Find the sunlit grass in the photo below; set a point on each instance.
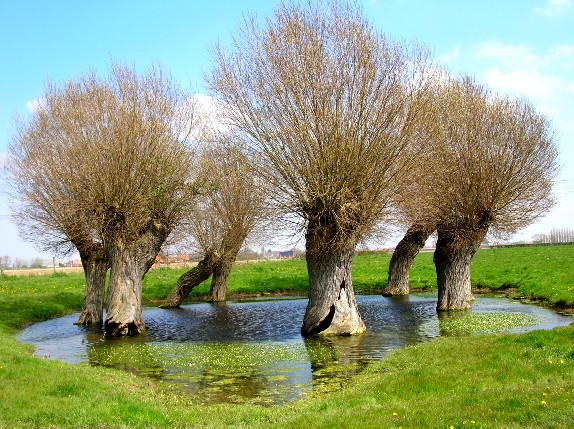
(502, 381)
(486, 381)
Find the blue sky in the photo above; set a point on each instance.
(525, 47)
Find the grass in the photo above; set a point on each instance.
(537, 272)
(504, 381)
(488, 381)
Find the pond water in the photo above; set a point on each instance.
(252, 351)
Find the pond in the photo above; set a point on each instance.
(252, 351)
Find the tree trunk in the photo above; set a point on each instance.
(403, 257)
(190, 279)
(95, 269)
(231, 244)
(129, 263)
(452, 258)
(468, 287)
(332, 308)
(218, 290)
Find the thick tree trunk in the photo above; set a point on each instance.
(232, 244)
(403, 257)
(332, 308)
(190, 279)
(452, 258)
(95, 269)
(129, 263)
(218, 290)
(468, 287)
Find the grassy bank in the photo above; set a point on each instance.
(539, 272)
(486, 381)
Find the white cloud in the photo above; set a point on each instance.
(553, 7)
(517, 56)
(532, 85)
(545, 77)
(205, 116)
(450, 57)
(34, 105)
(562, 52)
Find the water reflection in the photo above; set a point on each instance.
(253, 351)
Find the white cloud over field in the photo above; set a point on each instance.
(553, 8)
(546, 77)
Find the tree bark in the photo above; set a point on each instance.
(403, 257)
(468, 287)
(332, 308)
(452, 258)
(129, 262)
(232, 244)
(95, 266)
(218, 290)
(190, 279)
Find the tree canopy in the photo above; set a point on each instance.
(328, 103)
(106, 161)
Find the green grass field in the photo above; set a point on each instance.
(537, 272)
(489, 381)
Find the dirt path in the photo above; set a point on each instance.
(41, 271)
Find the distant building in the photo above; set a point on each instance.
(280, 254)
(178, 259)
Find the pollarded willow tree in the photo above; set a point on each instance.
(234, 204)
(493, 163)
(43, 195)
(412, 211)
(118, 149)
(328, 103)
(403, 257)
(41, 210)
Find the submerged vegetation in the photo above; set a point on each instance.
(485, 323)
(486, 381)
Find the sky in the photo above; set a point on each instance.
(521, 47)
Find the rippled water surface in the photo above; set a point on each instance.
(253, 351)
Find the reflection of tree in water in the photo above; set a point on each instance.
(334, 360)
(128, 354)
(445, 316)
(400, 319)
(234, 380)
(225, 357)
(219, 387)
(221, 318)
(405, 320)
(216, 361)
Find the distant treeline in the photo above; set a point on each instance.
(556, 236)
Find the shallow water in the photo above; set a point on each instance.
(252, 351)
